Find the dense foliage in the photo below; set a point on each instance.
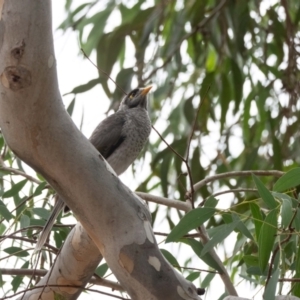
(238, 62)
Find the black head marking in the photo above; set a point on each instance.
(136, 98)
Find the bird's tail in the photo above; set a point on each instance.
(59, 205)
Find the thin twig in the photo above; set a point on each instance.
(32, 241)
(227, 192)
(3, 167)
(168, 145)
(192, 191)
(192, 235)
(234, 191)
(34, 227)
(102, 71)
(67, 286)
(203, 182)
(196, 269)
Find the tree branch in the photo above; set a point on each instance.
(185, 206)
(203, 182)
(94, 280)
(3, 167)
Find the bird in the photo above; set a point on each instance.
(119, 138)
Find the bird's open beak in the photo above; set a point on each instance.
(146, 90)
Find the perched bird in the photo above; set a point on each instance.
(119, 138)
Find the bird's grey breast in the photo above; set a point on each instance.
(136, 130)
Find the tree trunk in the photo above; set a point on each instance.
(38, 130)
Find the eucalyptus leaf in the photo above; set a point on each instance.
(265, 193)
(288, 180)
(266, 239)
(190, 221)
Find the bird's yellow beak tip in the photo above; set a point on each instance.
(146, 90)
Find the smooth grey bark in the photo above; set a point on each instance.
(38, 130)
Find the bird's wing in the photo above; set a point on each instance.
(108, 134)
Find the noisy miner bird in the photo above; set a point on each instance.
(119, 138)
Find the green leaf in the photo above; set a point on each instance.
(171, 259)
(37, 222)
(39, 188)
(229, 218)
(272, 285)
(41, 212)
(251, 260)
(2, 228)
(101, 270)
(16, 282)
(265, 193)
(257, 218)
(256, 271)
(16, 188)
(296, 222)
(220, 235)
(99, 21)
(70, 19)
(111, 43)
(71, 106)
(211, 202)
(25, 265)
(193, 276)
(85, 87)
(164, 172)
(24, 221)
(296, 287)
(266, 239)
(5, 212)
(286, 212)
(207, 280)
(288, 180)
(225, 98)
(16, 251)
(190, 221)
(211, 60)
(238, 81)
(197, 248)
(189, 110)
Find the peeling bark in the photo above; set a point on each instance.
(39, 131)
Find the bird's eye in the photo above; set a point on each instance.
(132, 94)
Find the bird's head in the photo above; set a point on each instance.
(136, 98)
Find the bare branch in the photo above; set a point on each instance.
(203, 182)
(3, 167)
(32, 241)
(168, 145)
(64, 286)
(102, 71)
(185, 206)
(234, 191)
(192, 191)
